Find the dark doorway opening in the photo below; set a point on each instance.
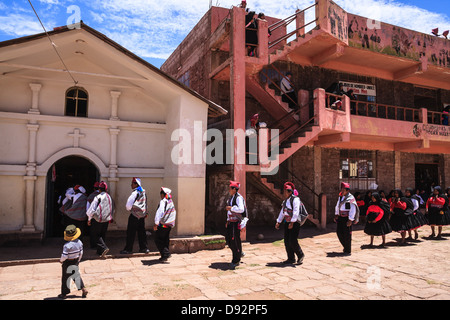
(65, 173)
(427, 176)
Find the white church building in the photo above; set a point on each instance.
(111, 118)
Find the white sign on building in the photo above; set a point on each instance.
(360, 88)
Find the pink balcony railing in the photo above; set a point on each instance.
(441, 118)
(377, 110)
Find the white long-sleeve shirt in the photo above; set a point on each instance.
(287, 206)
(163, 210)
(415, 203)
(131, 200)
(76, 196)
(238, 208)
(286, 86)
(106, 211)
(341, 209)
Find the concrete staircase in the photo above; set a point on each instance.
(270, 101)
(282, 54)
(297, 140)
(293, 134)
(275, 193)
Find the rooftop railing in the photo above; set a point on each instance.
(286, 22)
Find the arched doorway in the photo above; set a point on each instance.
(63, 174)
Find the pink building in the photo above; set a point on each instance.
(391, 134)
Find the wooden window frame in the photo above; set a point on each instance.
(77, 99)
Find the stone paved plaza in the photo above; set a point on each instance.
(419, 270)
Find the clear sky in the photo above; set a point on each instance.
(152, 29)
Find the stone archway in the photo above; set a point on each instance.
(62, 174)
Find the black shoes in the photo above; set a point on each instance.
(299, 260)
(164, 259)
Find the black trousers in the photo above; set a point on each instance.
(70, 270)
(136, 225)
(290, 98)
(162, 241)
(233, 238)
(291, 241)
(98, 235)
(344, 233)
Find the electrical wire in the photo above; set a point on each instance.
(53, 44)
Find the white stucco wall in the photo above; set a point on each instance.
(147, 115)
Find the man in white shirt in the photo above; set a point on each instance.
(289, 213)
(287, 90)
(164, 222)
(75, 212)
(137, 205)
(346, 214)
(100, 213)
(235, 210)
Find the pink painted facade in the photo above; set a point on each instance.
(387, 39)
(404, 119)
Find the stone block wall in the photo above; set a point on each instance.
(385, 170)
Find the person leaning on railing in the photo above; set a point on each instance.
(445, 115)
(353, 99)
(251, 33)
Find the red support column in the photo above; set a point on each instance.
(423, 115)
(237, 90)
(300, 22)
(237, 86)
(263, 42)
(303, 102)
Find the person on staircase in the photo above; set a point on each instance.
(288, 93)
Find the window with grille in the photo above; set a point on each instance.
(76, 102)
(358, 167)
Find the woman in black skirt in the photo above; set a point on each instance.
(377, 219)
(438, 212)
(418, 219)
(401, 214)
